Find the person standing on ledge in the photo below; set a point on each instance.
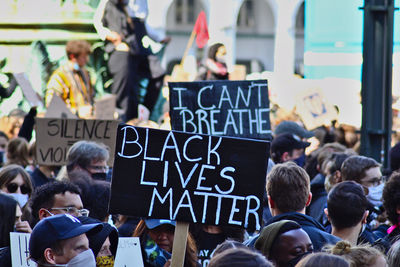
(71, 81)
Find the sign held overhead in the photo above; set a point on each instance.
(55, 136)
(222, 108)
(189, 177)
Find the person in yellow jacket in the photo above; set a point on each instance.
(71, 81)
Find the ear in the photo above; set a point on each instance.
(271, 203)
(43, 214)
(309, 199)
(364, 219)
(49, 256)
(327, 214)
(337, 177)
(285, 156)
(398, 210)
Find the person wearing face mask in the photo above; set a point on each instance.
(156, 239)
(71, 81)
(10, 214)
(104, 244)
(15, 182)
(288, 147)
(367, 172)
(89, 156)
(284, 243)
(215, 67)
(61, 240)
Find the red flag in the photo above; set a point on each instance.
(201, 29)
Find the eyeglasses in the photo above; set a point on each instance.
(375, 181)
(13, 187)
(99, 168)
(73, 211)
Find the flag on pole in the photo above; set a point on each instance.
(201, 30)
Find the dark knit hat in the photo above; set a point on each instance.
(292, 128)
(271, 232)
(96, 240)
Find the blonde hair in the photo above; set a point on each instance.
(358, 256)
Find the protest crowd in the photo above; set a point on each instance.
(323, 204)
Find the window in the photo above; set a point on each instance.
(246, 18)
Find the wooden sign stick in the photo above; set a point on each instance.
(179, 245)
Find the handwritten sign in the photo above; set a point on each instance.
(314, 109)
(19, 244)
(55, 136)
(222, 108)
(31, 95)
(129, 253)
(189, 177)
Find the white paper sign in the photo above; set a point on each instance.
(30, 94)
(129, 253)
(20, 250)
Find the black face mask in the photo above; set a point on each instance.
(99, 176)
(294, 261)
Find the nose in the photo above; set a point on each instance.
(18, 190)
(162, 236)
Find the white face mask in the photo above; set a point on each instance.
(21, 198)
(375, 195)
(221, 59)
(85, 259)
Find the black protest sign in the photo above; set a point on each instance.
(55, 136)
(188, 177)
(222, 108)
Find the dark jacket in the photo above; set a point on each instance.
(115, 19)
(319, 199)
(315, 231)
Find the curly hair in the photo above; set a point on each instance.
(391, 197)
(358, 256)
(323, 259)
(43, 196)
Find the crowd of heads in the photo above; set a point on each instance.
(357, 222)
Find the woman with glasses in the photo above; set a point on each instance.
(15, 181)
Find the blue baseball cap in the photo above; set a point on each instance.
(154, 223)
(58, 227)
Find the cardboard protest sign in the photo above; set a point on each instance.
(26, 86)
(55, 136)
(313, 108)
(19, 244)
(129, 253)
(58, 109)
(188, 177)
(222, 108)
(104, 108)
